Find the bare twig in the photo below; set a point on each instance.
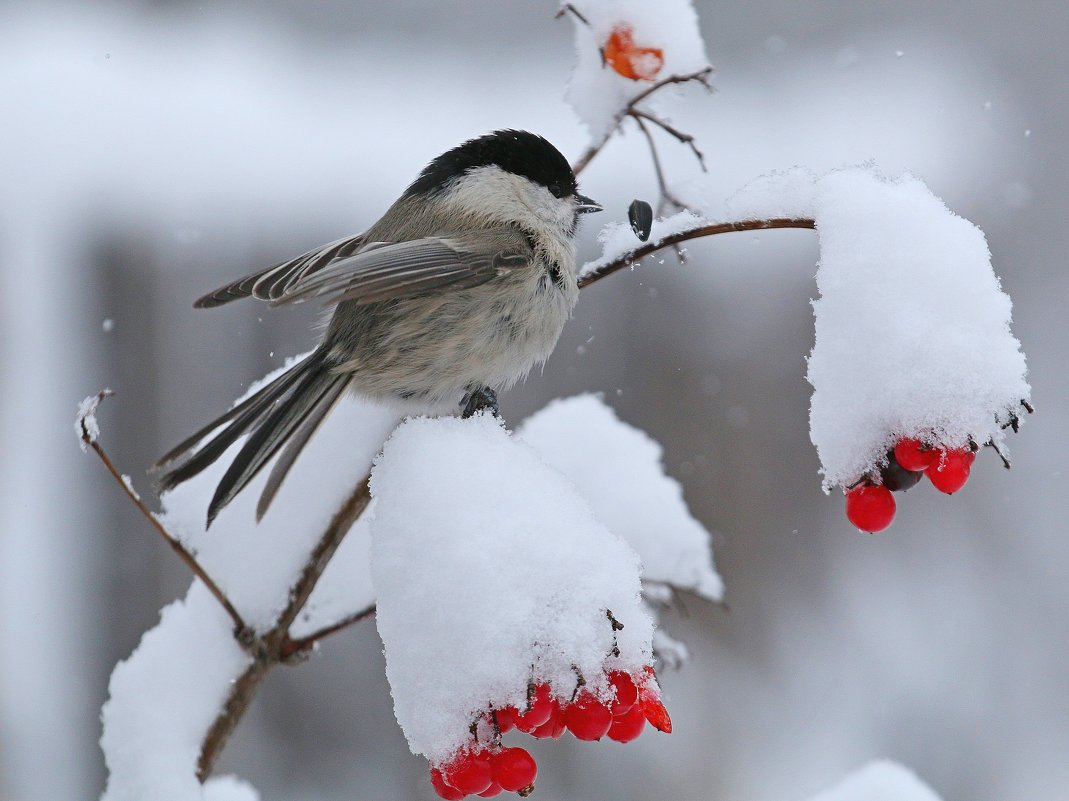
(701, 76)
(666, 196)
(632, 256)
(1001, 455)
(339, 526)
(242, 691)
(291, 647)
(568, 8)
(240, 629)
(685, 138)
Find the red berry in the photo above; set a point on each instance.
(442, 789)
(538, 712)
(491, 791)
(656, 714)
(628, 726)
(625, 692)
(514, 769)
(636, 63)
(950, 470)
(588, 717)
(552, 728)
(913, 454)
(505, 718)
(469, 772)
(870, 508)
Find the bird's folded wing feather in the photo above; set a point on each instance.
(272, 283)
(382, 271)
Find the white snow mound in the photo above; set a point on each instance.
(912, 327)
(163, 699)
(879, 781)
(619, 470)
(490, 570)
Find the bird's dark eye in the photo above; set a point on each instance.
(556, 190)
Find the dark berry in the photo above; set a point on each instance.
(897, 478)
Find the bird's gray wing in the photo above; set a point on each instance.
(382, 271)
(272, 283)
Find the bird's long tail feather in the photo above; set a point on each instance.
(287, 410)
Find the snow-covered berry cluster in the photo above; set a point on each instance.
(484, 767)
(870, 505)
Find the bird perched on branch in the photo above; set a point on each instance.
(461, 287)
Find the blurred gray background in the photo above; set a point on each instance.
(151, 150)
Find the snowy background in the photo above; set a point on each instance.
(152, 150)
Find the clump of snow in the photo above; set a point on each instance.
(229, 788)
(912, 328)
(163, 699)
(490, 570)
(256, 564)
(619, 470)
(882, 780)
(783, 193)
(596, 91)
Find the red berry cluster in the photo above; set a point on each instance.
(870, 505)
(487, 769)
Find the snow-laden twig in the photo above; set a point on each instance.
(275, 646)
(89, 436)
(630, 257)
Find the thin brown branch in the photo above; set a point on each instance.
(632, 256)
(568, 8)
(290, 647)
(681, 136)
(335, 532)
(701, 76)
(242, 691)
(666, 196)
(271, 648)
(240, 629)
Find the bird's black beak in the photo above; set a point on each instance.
(586, 205)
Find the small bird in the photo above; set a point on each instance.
(458, 290)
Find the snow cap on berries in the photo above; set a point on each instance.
(491, 570)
